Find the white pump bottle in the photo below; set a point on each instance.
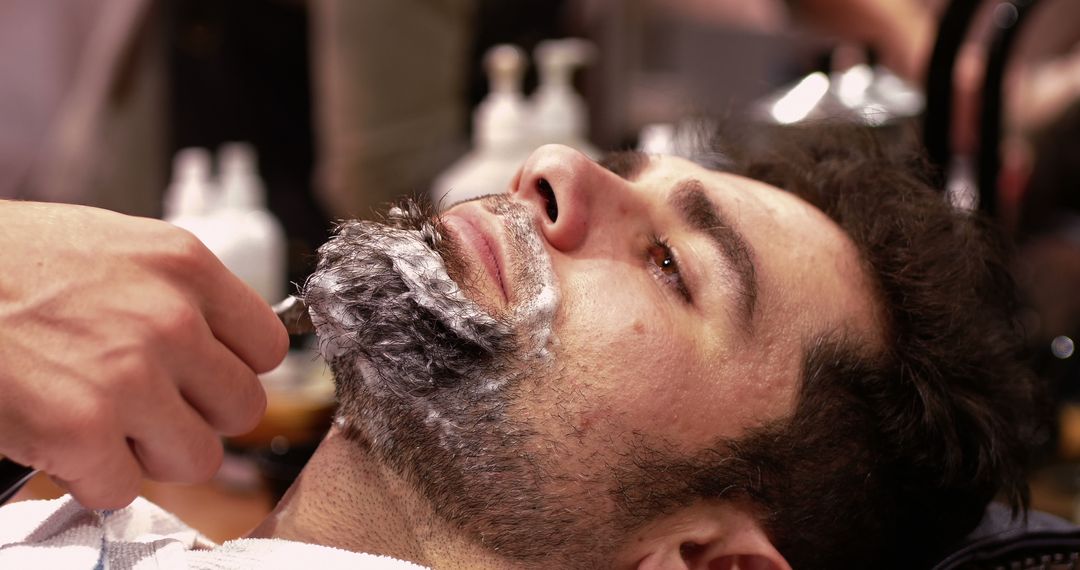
(190, 193)
(229, 216)
(192, 198)
(500, 142)
(257, 254)
(559, 113)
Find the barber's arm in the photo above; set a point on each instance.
(126, 348)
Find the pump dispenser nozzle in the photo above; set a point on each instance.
(191, 191)
(505, 65)
(241, 186)
(559, 113)
(500, 119)
(256, 240)
(557, 60)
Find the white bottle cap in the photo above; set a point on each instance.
(559, 112)
(500, 119)
(241, 186)
(191, 191)
(657, 138)
(557, 60)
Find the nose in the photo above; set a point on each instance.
(564, 187)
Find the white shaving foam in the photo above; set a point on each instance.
(423, 271)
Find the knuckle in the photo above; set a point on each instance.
(128, 372)
(93, 439)
(280, 346)
(255, 405)
(87, 420)
(187, 249)
(272, 349)
(113, 479)
(177, 321)
(180, 253)
(149, 462)
(195, 458)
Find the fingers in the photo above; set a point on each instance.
(108, 477)
(156, 433)
(225, 392)
(70, 429)
(237, 315)
(178, 448)
(132, 348)
(244, 322)
(161, 427)
(211, 391)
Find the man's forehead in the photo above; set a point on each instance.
(803, 252)
(667, 171)
(631, 164)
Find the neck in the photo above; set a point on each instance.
(346, 498)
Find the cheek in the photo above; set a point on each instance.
(610, 317)
(629, 363)
(627, 366)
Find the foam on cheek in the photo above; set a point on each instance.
(535, 316)
(408, 253)
(332, 320)
(420, 368)
(425, 275)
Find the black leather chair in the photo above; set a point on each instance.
(1038, 541)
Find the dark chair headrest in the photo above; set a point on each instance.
(1031, 540)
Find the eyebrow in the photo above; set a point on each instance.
(693, 205)
(703, 215)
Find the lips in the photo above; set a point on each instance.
(477, 238)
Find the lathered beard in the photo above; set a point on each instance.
(425, 377)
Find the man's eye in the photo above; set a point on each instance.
(666, 267)
(664, 260)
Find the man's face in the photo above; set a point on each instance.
(650, 306)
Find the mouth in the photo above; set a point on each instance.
(478, 239)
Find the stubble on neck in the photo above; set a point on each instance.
(346, 498)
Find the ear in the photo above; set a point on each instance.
(703, 537)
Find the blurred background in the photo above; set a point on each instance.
(256, 123)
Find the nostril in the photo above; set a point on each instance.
(551, 206)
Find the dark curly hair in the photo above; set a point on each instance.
(890, 456)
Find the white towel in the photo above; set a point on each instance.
(62, 534)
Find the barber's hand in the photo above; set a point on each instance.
(126, 347)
